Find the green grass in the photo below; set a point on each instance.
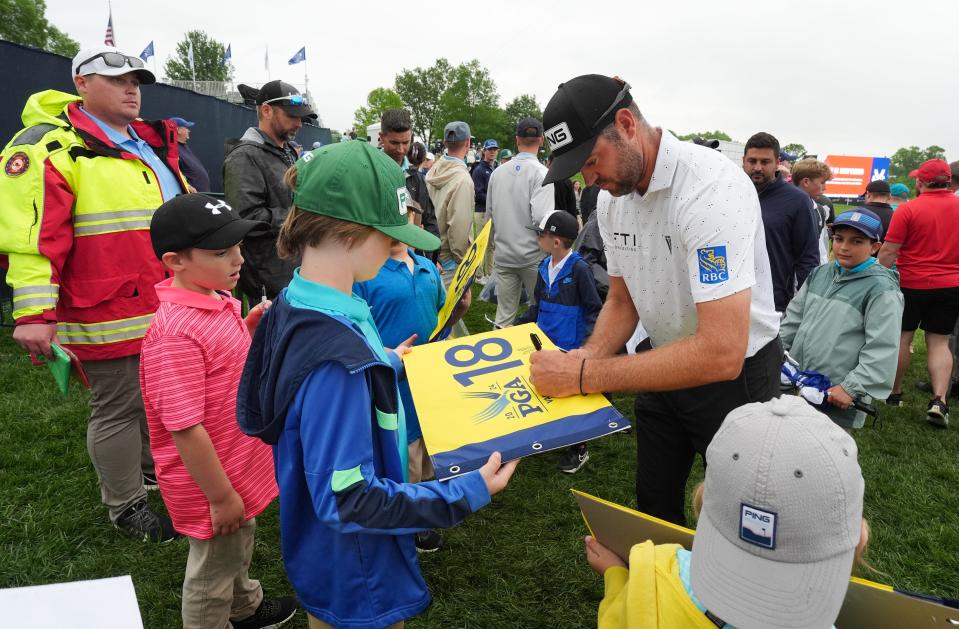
(517, 563)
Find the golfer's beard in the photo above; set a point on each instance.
(629, 172)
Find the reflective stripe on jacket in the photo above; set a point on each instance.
(75, 226)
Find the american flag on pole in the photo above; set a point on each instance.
(108, 38)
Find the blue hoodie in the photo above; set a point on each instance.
(316, 389)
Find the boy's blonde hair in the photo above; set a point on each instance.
(303, 229)
(811, 168)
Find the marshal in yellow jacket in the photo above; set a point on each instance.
(75, 215)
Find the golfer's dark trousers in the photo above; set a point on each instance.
(671, 427)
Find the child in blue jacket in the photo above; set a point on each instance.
(320, 387)
(567, 302)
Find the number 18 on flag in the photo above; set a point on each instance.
(473, 397)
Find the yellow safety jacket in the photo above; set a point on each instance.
(75, 214)
(649, 594)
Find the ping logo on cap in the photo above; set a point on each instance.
(757, 526)
(558, 136)
(401, 197)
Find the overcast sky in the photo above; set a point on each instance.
(849, 77)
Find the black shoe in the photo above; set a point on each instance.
(573, 459)
(429, 541)
(272, 612)
(140, 522)
(937, 413)
(894, 399)
(150, 482)
(926, 387)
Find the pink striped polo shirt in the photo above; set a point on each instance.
(190, 367)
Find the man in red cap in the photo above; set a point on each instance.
(922, 245)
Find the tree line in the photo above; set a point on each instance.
(433, 95)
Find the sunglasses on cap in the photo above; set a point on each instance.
(114, 60)
(619, 99)
(294, 99)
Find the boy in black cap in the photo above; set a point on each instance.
(567, 302)
(214, 479)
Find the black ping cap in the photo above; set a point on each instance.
(574, 117)
(196, 221)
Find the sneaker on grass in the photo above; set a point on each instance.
(429, 541)
(894, 399)
(141, 522)
(150, 482)
(573, 459)
(926, 387)
(937, 413)
(272, 612)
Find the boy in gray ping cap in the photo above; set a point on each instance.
(779, 530)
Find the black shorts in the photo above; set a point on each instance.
(934, 310)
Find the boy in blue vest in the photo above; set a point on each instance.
(320, 387)
(567, 302)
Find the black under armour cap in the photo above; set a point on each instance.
(574, 117)
(196, 221)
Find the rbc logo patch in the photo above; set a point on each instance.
(757, 527)
(712, 265)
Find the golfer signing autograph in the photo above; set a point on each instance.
(684, 242)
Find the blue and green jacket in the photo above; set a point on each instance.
(845, 324)
(566, 311)
(316, 388)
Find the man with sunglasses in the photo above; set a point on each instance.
(78, 187)
(686, 256)
(253, 184)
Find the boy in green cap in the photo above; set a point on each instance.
(320, 387)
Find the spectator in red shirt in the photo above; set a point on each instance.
(922, 244)
(214, 479)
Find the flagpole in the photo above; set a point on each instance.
(114, 35)
(268, 62)
(306, 80)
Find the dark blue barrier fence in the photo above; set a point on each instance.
(25, 70)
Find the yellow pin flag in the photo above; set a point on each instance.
(462, 281)
(473, 397)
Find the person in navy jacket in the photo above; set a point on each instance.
(567, 302)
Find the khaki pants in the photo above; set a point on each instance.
(419, 467)
(316, 623)
(509, 290)
(479, 221)
(118, 440)
(217, 585)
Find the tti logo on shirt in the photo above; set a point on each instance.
(712, 265)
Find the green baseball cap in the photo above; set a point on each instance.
(353, 181)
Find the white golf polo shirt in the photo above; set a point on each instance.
(695, 236)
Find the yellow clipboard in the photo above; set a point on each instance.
(868, 605)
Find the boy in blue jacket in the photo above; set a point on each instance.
(319, 386)
(567, 302)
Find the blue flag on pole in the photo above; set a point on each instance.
(227, 55)
(147, 52)
(298, 57)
